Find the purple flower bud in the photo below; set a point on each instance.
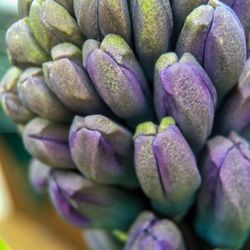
(98, 18)
(14, 108)
(166, 167)
(181, 9)
(153, 24)
(86, 204)
(223, 217)
(214, 35)
(150, 232)
(183, 90)
(234, 114)
(72, 86)
(23, 49)
(48, 142)
(100, 240)
(96, 148)
(119, 80)
(52, 24)
(39, 175)
(37, 97)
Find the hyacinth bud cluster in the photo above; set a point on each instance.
(137, 116)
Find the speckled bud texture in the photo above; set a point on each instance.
(136, 115)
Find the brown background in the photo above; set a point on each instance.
(33, 224)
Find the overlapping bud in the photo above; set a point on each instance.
(86, 204)
(166, 167)
(149, 232)
(10, 100)
(52, 24)
(223, 217)
(182, 8)
(183, 90)
(70, 83)
(214, 35)
(103, 150)
(23, 49)
(36, 96)
(48, 142)
(119, 79)
(98, 18)
(89, 74)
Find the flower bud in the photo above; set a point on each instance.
(11, 103)
(23, 49)
(234, 112)
(52, 24)
(181, 9)
(150, 232)
(153, 25)
(119, 80)
(96, 148)
(166, 167)
(14, 108)
(86, 204)
(74, 89)
(183, 90)
(214, 35)
(98, 18)
(223, 217)
(39, 175)
(48, 142)
(37, 97)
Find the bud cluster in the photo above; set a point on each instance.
(137, 116)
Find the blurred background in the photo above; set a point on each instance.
(27, 220)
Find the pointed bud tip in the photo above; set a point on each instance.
(214, 3)
(166, 122)
(165, 61)
(145, 128)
